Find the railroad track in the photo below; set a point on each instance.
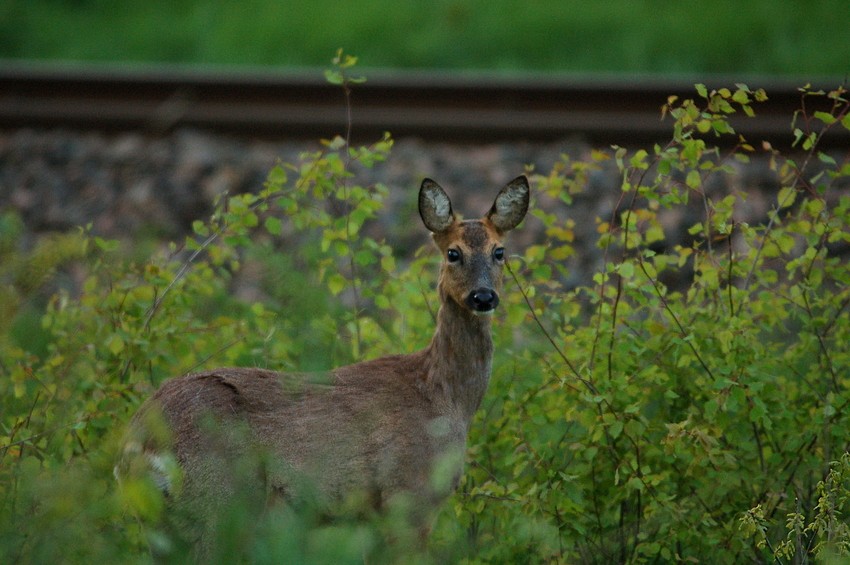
(458, 108)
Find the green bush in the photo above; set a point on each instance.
(677, 423)
(691, 403)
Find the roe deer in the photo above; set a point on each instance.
(376, 428)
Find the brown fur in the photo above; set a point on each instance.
(377, 427)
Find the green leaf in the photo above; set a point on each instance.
(626, 270)
(693, 179)
(824, 158)
(741, 96)
(106, 245)
(336, 283)
(333, 76)
(786, 196)
(200, 228)
(798, 135)
(388, 264)
(273, 225)
(638, 160)
(809, 141)
(635, 483)
(362, 257)
(615, 429)
(277, 176)
(826, 117)
(115, 344)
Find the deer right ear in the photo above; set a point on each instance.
(435, 208)
(510, 206)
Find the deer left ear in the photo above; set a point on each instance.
(510, 206)
(435, 208)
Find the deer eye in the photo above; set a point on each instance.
(453, 255)
(499, 254)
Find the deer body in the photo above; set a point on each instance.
(378, 428)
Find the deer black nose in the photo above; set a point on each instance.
(482, 300)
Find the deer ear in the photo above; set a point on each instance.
(511, 205)
(435, 208)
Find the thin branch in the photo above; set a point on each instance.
(349, 237)
(682, 332)
(547, 335)
(184, 268)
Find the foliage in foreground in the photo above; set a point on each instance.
(692, 403)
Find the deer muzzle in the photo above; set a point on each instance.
(482, 300)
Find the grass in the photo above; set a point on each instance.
(655, 36)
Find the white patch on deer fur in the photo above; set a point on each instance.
(160, 471)
(131, 448)
(439, 427)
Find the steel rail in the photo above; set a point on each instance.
(436, 107)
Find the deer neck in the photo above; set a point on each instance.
(458, 360)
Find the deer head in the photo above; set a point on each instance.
(473, 253)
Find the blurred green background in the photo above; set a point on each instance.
(758, 37)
